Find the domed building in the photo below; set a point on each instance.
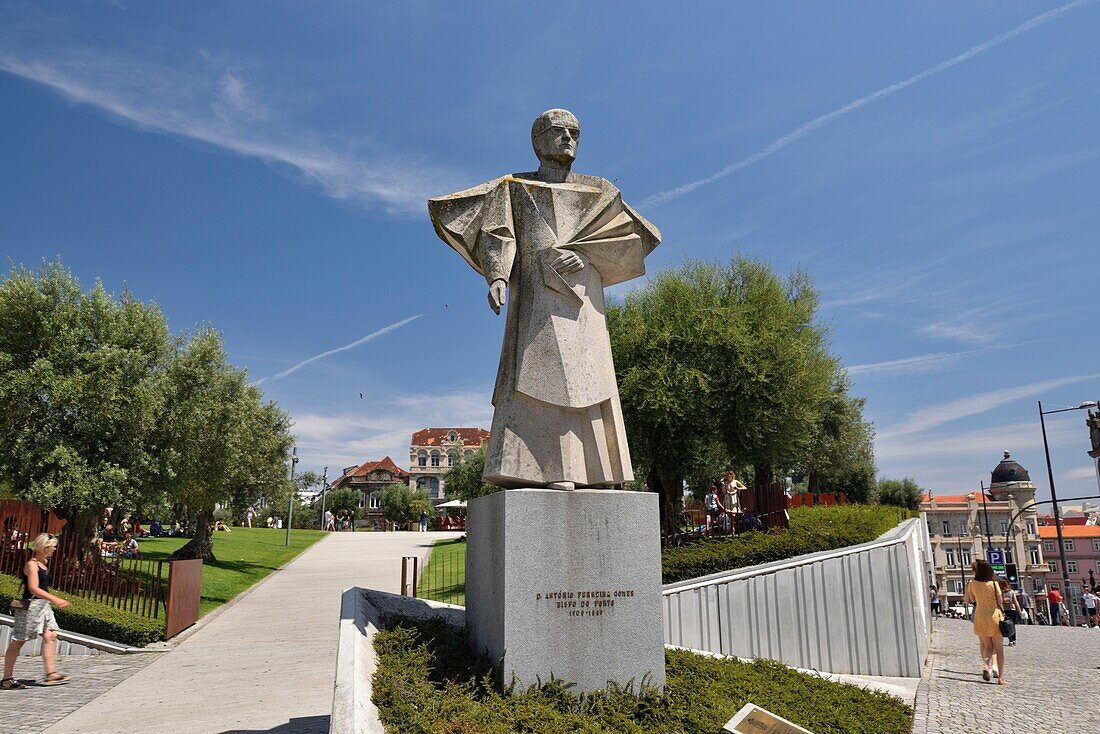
(964, 527)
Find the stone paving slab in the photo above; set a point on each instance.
(264, 663)
(32, 710)
(1053, 683)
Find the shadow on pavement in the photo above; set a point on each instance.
(304, 725)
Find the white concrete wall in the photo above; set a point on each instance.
(860, 610)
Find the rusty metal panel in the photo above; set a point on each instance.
(184, 593)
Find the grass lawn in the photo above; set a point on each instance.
(444, 578)
(427, 681)
(245, 556)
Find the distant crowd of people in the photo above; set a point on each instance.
(725, 510)
(340, 521)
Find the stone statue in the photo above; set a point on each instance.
(550, 241)
(1093, 422)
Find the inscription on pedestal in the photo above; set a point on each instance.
(583, 603)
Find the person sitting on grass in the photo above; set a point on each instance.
(130, 547)
(156, 529)
(220, 525)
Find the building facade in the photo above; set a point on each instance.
(433, 451)
(965, 527)
(1082, 546)
(368, 478)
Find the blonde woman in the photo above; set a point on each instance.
(984, 593)
(35, 616)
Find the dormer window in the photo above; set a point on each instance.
(452, 436)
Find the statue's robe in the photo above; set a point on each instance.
(557, 416)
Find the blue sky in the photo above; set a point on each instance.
(263, 167)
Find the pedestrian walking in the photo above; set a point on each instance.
(934, 600)
(1091, 604)
(1011, 606)
(985, 594)
(1025, 607)
(330, 523)
(34, 616)
(423, 521)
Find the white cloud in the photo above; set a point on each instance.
(931, 416)
(358, 342)
(214, 104)
(385, 427)
(1081, 472)
(923, 363)
(822, 120)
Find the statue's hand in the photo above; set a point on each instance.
(567, 262)
(498, 294)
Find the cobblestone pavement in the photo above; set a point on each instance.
(1053, 683)
(32, 710)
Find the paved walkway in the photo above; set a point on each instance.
(1053, 684)
(265, 663)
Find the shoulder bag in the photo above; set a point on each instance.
(1008, 627)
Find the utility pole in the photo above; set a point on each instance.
(985, 512)
(1071, 603)
(293, 494)
(324, 490)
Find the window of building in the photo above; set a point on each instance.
(950, 558)
(946, 529)
(965, 556)
(1068, 544)
(422, 483)
(433, 488)
(964, 529)
(422, 458)
(1040, 585)
(435, 458)
(1096, 546)
(930, 530)
(450, 458)
(362, 500)
(1071, 566)
(957, 586)
(1053, 566)
(452, 436)
(375, 502)
(1004, 527)
(1010, 557)
(1035, 557)
(1031, 527)
(1098, 567)
(467, 454)
(1048, 546)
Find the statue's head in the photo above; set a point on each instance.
(554, 135)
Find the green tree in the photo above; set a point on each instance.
(346, 499)
(841, 456)
(81, 393)
(401, 504)
(720, 366)
(900, 492)
(463, 480)
(224, 442)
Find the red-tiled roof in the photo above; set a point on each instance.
(438, 436)
(942, 498)
(367, 467)
(1070, 531)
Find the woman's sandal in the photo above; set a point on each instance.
(985, 675)
(12, 684)
(59, 680)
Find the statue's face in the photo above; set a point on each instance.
(558, 143)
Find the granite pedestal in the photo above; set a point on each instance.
(566, 584)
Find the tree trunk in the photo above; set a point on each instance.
(76, 536)
(670, 490)
(814, 485)
(202, 545)
(761, 489)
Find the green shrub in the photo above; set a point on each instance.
(812, 529)
(428, 682)
(89, 617)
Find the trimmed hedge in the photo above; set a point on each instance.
(88, 617)
(427, 682)
(812, 529)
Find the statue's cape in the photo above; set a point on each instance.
(613, 236)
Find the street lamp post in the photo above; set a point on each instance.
(962, 569)
(1071, 603)
(985, 513)
(324, 487)
(293, 494)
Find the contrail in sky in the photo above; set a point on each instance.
(809, 127)
(369, 337)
